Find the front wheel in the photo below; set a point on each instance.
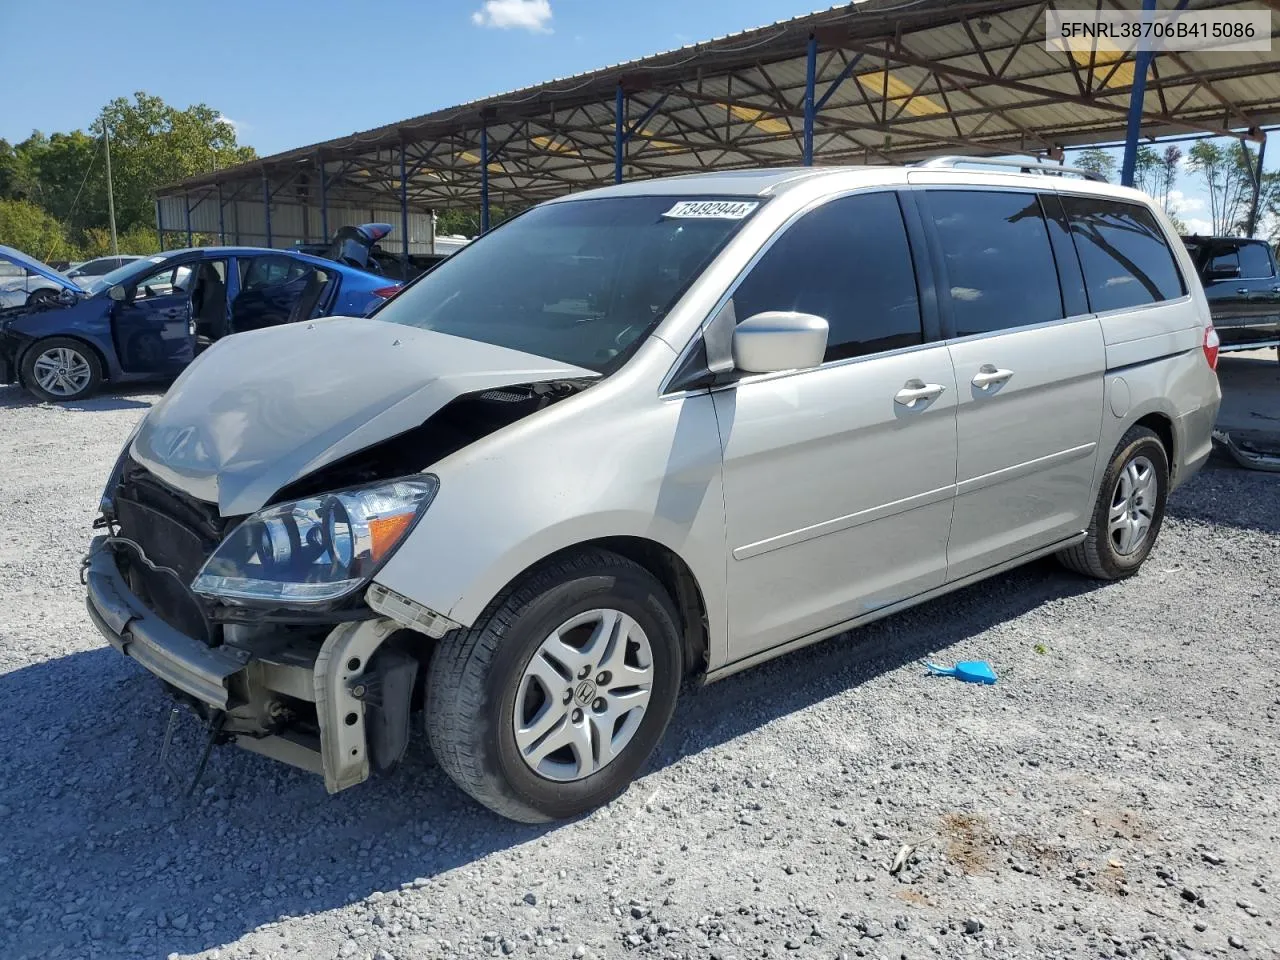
(549, 706)
(61, 369)
(1130, 508)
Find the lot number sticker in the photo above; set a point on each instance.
(712, 209)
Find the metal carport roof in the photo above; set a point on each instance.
(892, 81)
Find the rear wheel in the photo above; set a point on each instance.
(554, 700)
(1130, 509)
(61, 369)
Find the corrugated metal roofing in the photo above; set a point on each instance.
(919, 77)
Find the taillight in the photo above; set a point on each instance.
(386, 293)
(1211, 343)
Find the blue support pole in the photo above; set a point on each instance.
(160, 221)
(841, 77)
(186, 205)
(324, 199)
(1134, 129)
(484, 177)
(404, 214)
(638, 126)
(266, 204)
(222, 223)
(810, 80)
(619, 132)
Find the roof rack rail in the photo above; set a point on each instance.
(1023, 166)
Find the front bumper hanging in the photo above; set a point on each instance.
(235, 682)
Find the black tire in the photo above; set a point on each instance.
(1097, 555)
(474, 675)
(42, 295)
(80, 349)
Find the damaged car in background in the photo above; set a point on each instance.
(696, 423)
(146, 320)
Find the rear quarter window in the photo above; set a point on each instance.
(1255, 262)
(1123, 252)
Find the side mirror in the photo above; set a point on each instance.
(1223, 273)
(117, 293)
(779, 340)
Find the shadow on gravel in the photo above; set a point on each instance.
(121, 398)
(1225, 494)
(103, 860)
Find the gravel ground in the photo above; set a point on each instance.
(1116, 793)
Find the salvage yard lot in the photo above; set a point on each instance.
(1116, 793)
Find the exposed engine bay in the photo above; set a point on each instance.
(329, 689)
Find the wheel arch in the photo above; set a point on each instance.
(670, 570)
(1161, 424)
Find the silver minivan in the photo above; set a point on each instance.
(663, 430)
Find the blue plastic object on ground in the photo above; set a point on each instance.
(970, 671)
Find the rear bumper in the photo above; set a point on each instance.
(205, 673)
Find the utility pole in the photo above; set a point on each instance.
(111, 199)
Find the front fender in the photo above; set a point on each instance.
(587, 468)
(89, 320)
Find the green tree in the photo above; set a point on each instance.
(1227, 173)
(1147, 171)
(1096, 160)
(466, 222)
(152, 144)
(28, 227)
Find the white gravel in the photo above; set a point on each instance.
(1116, 793)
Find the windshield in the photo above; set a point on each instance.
(579, 282)
(125, 274)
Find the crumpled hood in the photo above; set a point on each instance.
(260, 410)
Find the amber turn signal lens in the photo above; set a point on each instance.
(385, 532)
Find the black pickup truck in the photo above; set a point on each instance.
(1243, 287)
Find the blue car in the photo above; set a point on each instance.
(149, 318)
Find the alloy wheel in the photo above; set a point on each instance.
(62, 372)
(1133, 506)
(583, 695)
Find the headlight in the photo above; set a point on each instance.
(316, 549)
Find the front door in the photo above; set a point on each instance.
(153, 328)
(1258, 276)
(838, 481)
(1029, 379)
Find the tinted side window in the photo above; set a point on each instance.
(999, 264)
(1255, 262)
(849, 262)
(1125, 257)
(271, 271)
(1224, 260)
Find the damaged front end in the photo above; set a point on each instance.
(268, 625)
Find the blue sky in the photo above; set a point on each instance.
(289, 73)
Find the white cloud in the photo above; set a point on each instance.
(1180, 203)
(531, 15)
(1195, 225)
(239, 126)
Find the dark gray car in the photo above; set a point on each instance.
(1243, 288)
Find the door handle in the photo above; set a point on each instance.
(1243, 290)
(917, 391)
(988, 376)
(1275, 289)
